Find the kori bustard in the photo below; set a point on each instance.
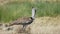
(25, 20)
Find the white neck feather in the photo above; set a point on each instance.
(33, 13)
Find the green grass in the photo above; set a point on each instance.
(14, 10)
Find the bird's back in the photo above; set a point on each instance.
(23, 20)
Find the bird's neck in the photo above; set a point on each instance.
(33, 13)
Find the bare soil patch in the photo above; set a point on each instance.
(41, 25)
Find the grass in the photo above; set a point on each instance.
(14, 10)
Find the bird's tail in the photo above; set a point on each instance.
(15, 23)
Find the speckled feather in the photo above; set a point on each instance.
(22, 21)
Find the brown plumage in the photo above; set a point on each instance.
(22, 21)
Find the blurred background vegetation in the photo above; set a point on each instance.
(13, 9)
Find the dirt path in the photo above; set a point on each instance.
(46, 25)
(42, 25)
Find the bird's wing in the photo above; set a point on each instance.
(25, 20)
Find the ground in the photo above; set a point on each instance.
(46, 25)
(41, 25)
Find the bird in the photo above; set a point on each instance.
(25, 20)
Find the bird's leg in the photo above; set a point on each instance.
(24, 27)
